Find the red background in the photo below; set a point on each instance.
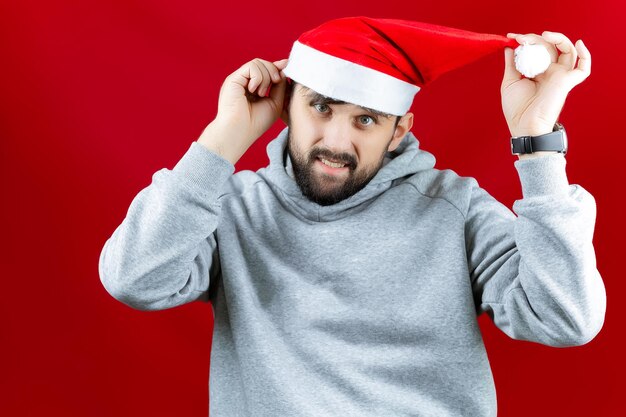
(97, 96)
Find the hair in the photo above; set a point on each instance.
(314, 95)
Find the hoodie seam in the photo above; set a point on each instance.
(441, 198)
(245, 190)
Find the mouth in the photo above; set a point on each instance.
(332, 167)
(333, 164)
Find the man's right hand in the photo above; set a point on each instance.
(245, 110)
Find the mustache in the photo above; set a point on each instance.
(343, 158)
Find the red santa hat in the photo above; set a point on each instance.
(382, 63)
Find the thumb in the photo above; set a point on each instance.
(510, 72)
(277, 94)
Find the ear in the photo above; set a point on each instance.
(404, 125)
(285, 114)
(286, 100)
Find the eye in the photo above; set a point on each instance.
(321, 108)
(366, 120)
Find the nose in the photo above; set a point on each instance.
(337, 136)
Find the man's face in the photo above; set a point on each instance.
(336, 149)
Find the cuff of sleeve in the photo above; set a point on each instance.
(542, 175)
(205, 170)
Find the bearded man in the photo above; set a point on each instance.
(346, 276)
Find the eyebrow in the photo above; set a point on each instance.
(316, 97)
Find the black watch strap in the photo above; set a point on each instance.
(528, 144)
(555, 141)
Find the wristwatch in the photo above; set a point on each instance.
(553, 141)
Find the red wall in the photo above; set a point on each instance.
(97, 96)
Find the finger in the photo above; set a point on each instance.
(265, 80)
(273, 71)
(281, 64)
(277, 95)
(534, 39)
(583, 70)
(568, 51)
(247, 76)
(254, 75)
(510, 72)
(282, 78)
(274, 76)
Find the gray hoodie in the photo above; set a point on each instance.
(367, 307)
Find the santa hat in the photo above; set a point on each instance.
(382, 63)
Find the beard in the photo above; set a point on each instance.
(325, 189)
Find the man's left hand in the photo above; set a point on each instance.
(532, 106)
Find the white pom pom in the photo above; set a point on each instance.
(531, 59)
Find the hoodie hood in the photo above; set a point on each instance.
(405, 160)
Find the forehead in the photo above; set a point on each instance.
(314, 97)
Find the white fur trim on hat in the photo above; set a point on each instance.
(344, 80)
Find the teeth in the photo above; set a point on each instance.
(332, 164)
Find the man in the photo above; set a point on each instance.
(346, 276)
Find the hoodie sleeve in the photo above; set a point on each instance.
(535, 274)
(163, 254)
